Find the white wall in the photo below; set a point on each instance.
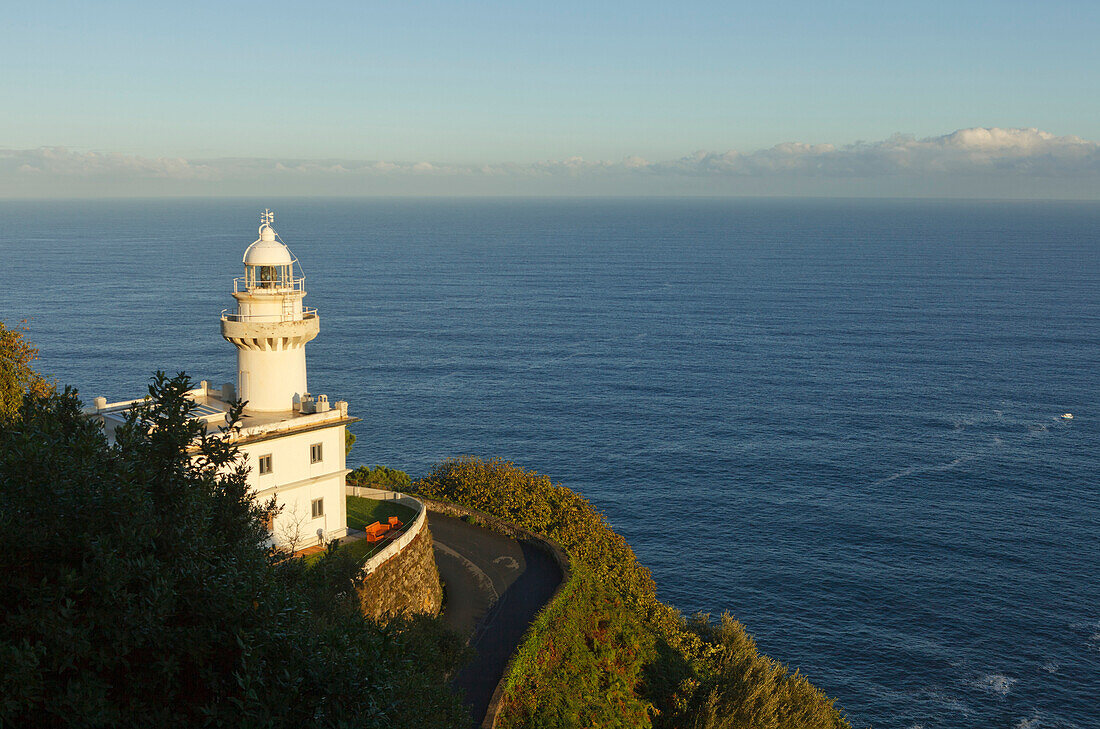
(295, 523)
(296, 482)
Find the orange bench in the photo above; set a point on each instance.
(395, 523)
(376, 532)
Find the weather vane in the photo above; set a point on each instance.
(267, 218)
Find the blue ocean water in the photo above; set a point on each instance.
(836, 419)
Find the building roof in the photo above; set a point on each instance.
(253, 426)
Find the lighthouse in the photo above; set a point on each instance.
(293, 444)
(271, 326)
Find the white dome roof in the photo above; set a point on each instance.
(267, 251)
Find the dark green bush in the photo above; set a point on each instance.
(137, 590)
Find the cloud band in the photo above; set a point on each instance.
(981, 154)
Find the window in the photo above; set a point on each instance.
(265, 464)
(315, 453)
(318, 508)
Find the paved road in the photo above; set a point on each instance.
(495, 586)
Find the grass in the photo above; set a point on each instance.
(360, 549)
(363, 511)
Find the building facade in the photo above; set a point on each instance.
(292, 441)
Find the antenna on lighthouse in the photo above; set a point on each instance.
(267, 218)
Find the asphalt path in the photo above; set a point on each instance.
(495, 586)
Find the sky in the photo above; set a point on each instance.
(211, 98)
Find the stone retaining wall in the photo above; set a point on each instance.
(402, 578)
(408, 582)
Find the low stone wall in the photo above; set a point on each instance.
(402, 578)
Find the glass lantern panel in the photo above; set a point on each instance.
(269, 276)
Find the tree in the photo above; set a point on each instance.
(292, 528)
(380, 477)
(349, 441)
(137, 590)
(16, 374)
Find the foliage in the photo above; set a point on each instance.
(380, 477)
(687, 674)
(359, 550)
(16, 374)
(532, 501)
(581, 662)
(742, 688)
(138, 590)
(349, 441)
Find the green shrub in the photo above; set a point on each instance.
(606, 652)
(16, 374)
(742, 688)
(380, 477)
(581, 663)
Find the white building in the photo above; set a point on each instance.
(292, 441)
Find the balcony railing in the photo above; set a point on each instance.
(241, 283)
(228, 315)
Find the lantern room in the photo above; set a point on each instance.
(268, 264)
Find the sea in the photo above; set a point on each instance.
(837, 420)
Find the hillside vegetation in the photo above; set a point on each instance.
(138, 590)
(606, 652)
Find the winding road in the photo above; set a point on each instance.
(495, 585)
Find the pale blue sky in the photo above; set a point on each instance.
(472, 83)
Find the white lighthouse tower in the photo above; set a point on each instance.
(293, 444)
(271, 327)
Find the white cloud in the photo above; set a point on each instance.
(1006, 156)
(977, 151)
(61, 162)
